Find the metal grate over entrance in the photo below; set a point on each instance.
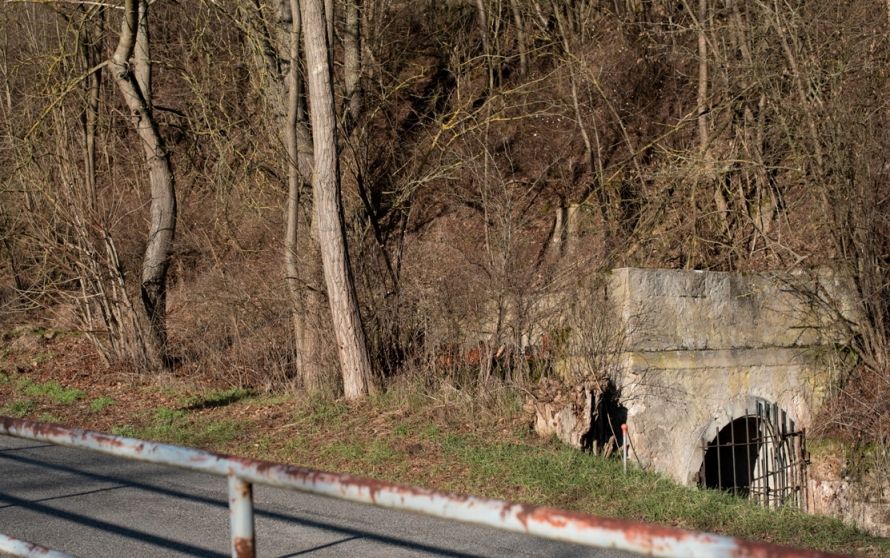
(760, 455)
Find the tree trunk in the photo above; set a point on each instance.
(91, 47)
(355, 364)
(486, 45)
(709, 177)
(702, 108)
(307, 299)
(163, 197)
(294, 190)
(142, 55)
(521, 43)
(352, 64)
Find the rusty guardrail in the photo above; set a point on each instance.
(549, 523)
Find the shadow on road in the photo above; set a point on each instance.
(127, 532)
(23, 448)
(319, 547)
(64, 496)
(36, 506)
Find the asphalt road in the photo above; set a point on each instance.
(89, 504)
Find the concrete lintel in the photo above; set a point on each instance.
(784, 357)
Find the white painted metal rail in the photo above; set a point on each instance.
(549, 523)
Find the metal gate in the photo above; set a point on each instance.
(760, 455)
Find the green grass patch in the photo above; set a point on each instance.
(99, 404)
(558, 476)
(176, 426)
(340, 450)
(401, 430)
(19, 408)
(324, 412)
(164, 416)
(216, 433)
(52, 390)
(127, 430)
(48, 417)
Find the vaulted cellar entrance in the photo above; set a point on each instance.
(760, 455)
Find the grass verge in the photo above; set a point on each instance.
(444, 439)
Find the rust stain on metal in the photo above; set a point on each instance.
(39, 428)
(373, 487)
(747, 549)
(244, 547)
(36, 549)
(109, 441)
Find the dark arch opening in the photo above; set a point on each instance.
(761, 456)
(731, 457)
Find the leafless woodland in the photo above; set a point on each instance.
(332, 195)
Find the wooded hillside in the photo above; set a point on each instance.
(202, 185)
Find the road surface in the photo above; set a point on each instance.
(90, 504)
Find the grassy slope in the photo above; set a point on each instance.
(444, 439)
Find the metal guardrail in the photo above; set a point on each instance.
(549, 523)
(18, 547)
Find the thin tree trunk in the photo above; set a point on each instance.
(486, 45)
(704, 135)
(329, 29)
(702, 108)
(352, 64)
(295, 182)
(91, 48)
(521, 44)
(355, 364)
(163, 195)
(142, 55)
(307, 301)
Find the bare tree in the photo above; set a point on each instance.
(134, 83)
(482, 14)
(302, 260)
(351, 345)
(91, 48)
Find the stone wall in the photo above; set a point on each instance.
(703, 348)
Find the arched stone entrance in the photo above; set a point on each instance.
(737, 359)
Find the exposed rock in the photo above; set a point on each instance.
(564, 411)
(838, 498)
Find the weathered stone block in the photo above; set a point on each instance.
(703, 348)
(674, 310)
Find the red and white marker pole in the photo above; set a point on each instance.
(624, 446)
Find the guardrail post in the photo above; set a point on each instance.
(241, 517)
